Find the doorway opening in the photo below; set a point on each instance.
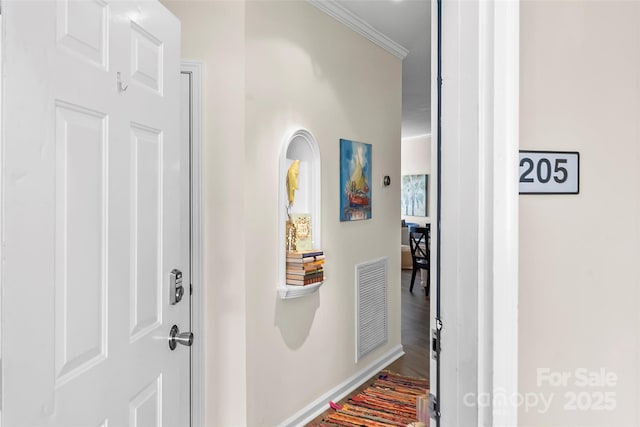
(476, 210)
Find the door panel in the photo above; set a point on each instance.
(146, 230)
(146, 59)
(81, 240)
(93, 218)
(144, 408)
(81, 27)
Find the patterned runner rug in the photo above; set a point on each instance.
(389, 401)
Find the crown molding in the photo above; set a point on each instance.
(346, 17)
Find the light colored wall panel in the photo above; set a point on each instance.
(580, 91)
(305, 69)
(272, 67)
(214, 32)
(416, 160)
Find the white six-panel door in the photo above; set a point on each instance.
(93, 215)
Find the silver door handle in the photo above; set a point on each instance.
(176, 337)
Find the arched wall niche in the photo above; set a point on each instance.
(299, 145)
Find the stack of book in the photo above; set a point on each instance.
(305, 267)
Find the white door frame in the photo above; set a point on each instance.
(479, 216)
(195, 69)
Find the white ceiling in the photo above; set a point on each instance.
(406, 22)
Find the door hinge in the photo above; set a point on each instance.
(434, 408)
(435, 340)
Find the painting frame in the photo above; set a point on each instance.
(414, 195)
(356, 164)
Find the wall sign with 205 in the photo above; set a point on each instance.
(549, 172)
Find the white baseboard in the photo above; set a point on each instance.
(321, 404)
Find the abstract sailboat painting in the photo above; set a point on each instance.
(355, 180)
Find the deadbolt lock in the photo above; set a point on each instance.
(176, 290)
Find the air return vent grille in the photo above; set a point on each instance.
(371, 306)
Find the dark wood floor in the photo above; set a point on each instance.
(415, 330)
(415, 337)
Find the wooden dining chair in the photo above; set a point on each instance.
(419, 240)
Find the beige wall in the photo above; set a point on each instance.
(416, 160)
(304, 69)
(579, 254)
(213, 32)
(271, 67)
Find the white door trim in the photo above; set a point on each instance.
(501, 32)
(195, 68)
(479, 258)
